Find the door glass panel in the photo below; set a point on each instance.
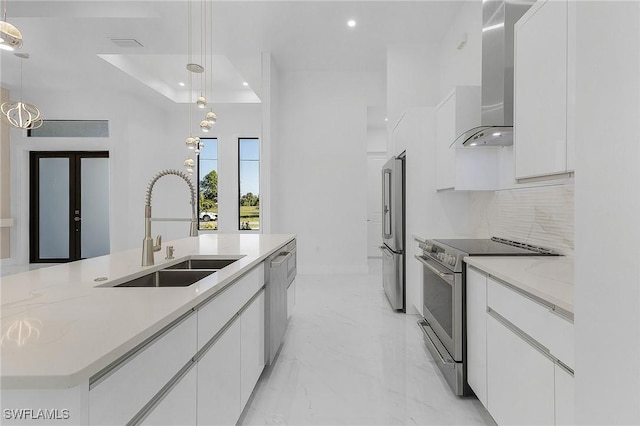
(54, 208)
(94, 209)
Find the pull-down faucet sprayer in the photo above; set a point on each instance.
(147, 244)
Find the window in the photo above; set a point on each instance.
(249, 183)
(208, 184)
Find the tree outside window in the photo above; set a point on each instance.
(208, 184)
(249, 188)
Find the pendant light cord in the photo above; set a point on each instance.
(204, 58)
(189, 61)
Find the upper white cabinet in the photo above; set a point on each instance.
(462, 168)
(543, 137)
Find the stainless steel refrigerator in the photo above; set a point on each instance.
(393, 240)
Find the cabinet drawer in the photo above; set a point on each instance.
(116, 398)
(537, 320)
(214, 314)
(520, 379)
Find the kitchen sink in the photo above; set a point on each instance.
(168, 278)
(202, 264)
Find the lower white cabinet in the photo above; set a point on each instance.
(124, 391)
(520, 379)
(517, 353)
(219, 380)
(565, 393)
(199, 371)
(178, 407)
(291, 298)
(252, 347)
(477, 333)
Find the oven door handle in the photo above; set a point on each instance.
(447, 276)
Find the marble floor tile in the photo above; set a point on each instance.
(348, 359)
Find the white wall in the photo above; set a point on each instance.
(319, 173)
(146, 135)
(461, 67)
(234, 121)
(607, 208)
(270, 119)
(412, 79)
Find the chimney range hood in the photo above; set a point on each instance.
(496, 123)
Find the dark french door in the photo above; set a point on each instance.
(69, 206)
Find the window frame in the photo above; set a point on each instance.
(204, 140)
(239, 223)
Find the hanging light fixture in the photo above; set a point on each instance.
(192, 143)
(20, 114)
(211, 116)
(10, 36)
(189, 164)
(205, 126)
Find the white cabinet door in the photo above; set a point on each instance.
(540, 74)
(291, 297)
(178, 407)
(122, 394)
(445, 135)
(565, 393)
(252, 347)
(520, 379)
(219, 380)
(477, 333)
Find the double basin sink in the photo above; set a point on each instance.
(182, 274)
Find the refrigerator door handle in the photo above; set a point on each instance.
(386, 200)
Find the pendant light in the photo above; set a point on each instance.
(193, 143)
(201, 101)
(210, 116)
(10, 36)
(20, 114)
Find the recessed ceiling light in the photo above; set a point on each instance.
(126, 42)
(351, 23)
(181, 84)
(386, 119)
(245, 84)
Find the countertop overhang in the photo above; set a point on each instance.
(60, 327)
(550, 278)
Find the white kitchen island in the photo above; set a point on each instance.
(80, 351)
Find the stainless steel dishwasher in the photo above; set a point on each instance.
(280, 272)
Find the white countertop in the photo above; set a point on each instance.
(547, 277)
(58, 328)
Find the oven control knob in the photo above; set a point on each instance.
(452, 260)
(441, 257)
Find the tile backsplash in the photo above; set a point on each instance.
(538, 215)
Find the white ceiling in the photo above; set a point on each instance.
(70, 47)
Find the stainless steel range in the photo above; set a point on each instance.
(444, 301)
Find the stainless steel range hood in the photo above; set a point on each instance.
(498, 20)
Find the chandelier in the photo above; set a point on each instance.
(21, 115)
(10, 36)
